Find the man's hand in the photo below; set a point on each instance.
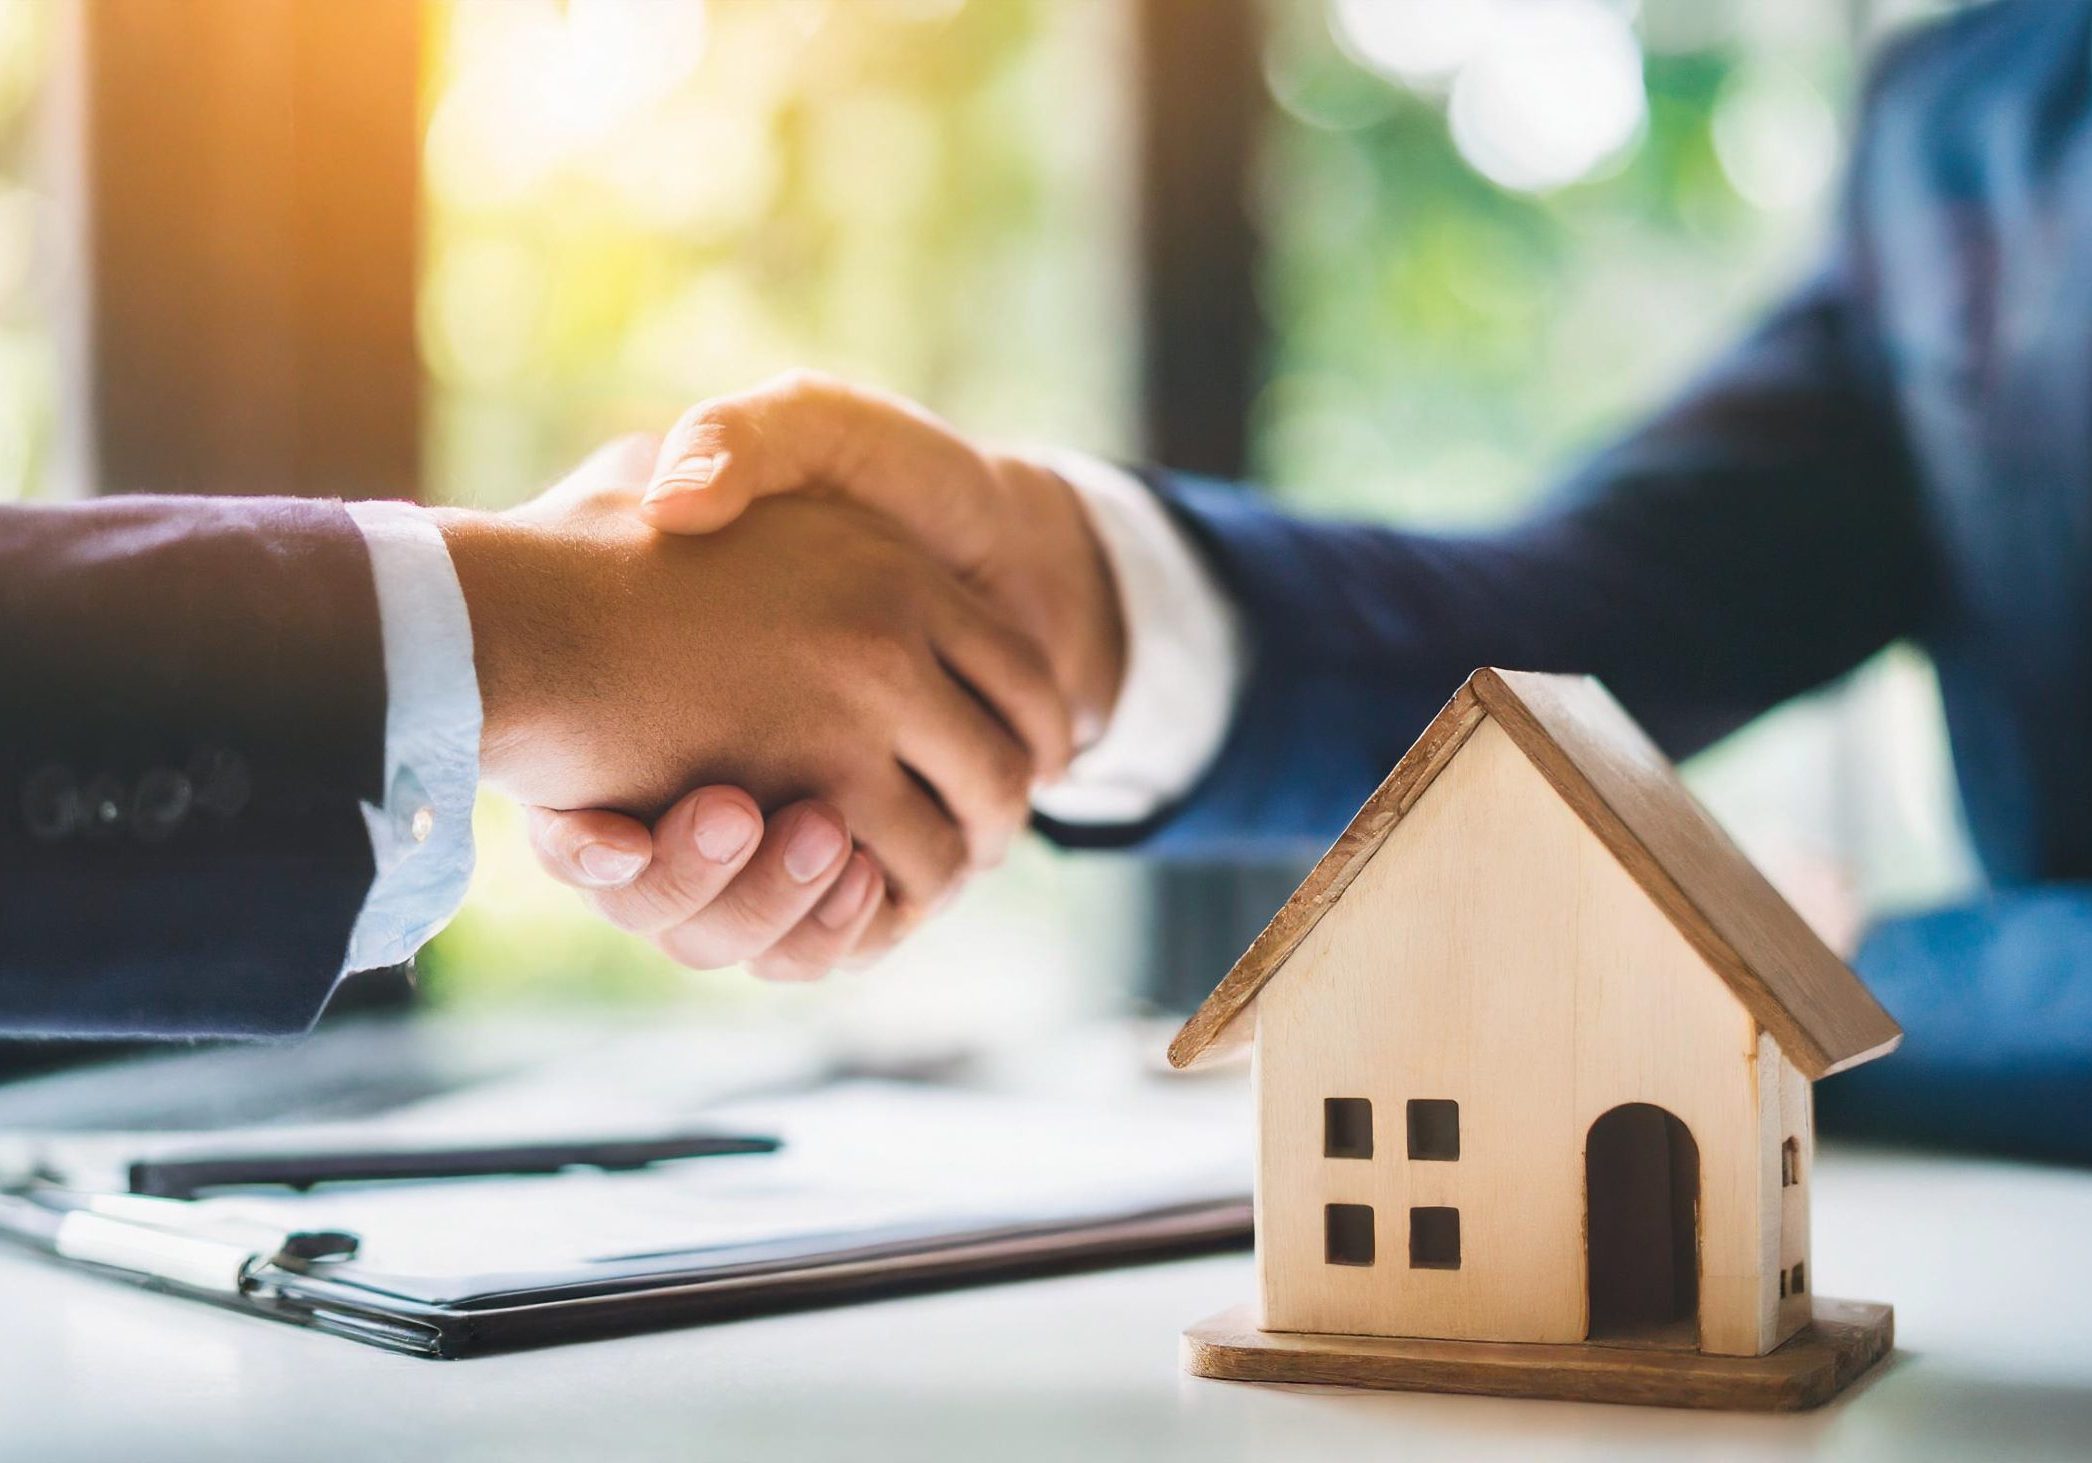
(1005, 524)
(710, 885)
(806, 653)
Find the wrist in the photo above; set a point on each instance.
(1099, 668)
(1084, 616)
(492, 555)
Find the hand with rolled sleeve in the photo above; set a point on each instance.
(1143, 642)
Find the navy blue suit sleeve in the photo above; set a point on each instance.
(1752, 540)
(192, 707)
(1995, 1000)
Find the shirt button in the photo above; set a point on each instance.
(160, 804)
(412, 811)
(219, 782)
(52, 807)
(107, 801)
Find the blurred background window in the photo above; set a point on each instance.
(633, 205)
(1395, 258)
(28, 269)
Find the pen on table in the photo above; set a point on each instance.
(183, 1176)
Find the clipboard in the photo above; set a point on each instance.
(401, 1315)
(926, 1188)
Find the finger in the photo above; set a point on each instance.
(807, 432)
(803, 853)
(978, 769)
(915, 842)
(888, 926)
(828, 936)
(1009, 672)
(592, 849)
(699, 845)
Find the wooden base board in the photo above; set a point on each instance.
(1844, 1339)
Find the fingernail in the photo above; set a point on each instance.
(723, 830)
(845, 901)
(691, 475)
(812, 848)
(608, 867)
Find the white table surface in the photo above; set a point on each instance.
(1989, 1267)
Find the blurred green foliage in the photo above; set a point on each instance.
(913, 192)
(1439, 343)
(923, 194)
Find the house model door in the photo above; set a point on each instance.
(1641, 1232)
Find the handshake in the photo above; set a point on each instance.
(775, 687)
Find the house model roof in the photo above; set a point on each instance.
(1627, 793)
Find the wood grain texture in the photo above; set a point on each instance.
(1797, 1120)
(1603, 765)
(1494, 953)
(1616, 780)
(1211, 1032)
(1842, 1342)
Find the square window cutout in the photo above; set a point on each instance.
(1347, 1127)
(1434, 1129)
(1434, 1239)
(1347, 1234)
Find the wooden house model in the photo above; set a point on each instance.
(1533, 1047)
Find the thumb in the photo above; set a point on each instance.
(698, 484)
(591, 848)
(808, 433)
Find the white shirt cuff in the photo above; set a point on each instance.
(1184, 657)
(421, 838)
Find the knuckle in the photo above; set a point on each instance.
(1013, 774)
(738, 933)
(616, 908)
(886, 661)
(691, 951)
(644, 910)
(710, 425)
(945, 859)
(723, 935)
(693, 419)
(684, 893)
(803, 383)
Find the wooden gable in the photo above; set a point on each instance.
(1605, 768)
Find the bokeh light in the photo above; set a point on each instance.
(1554, 94)
(1776, 137)
(543, 81)
(1543, 93)
(1415, 41)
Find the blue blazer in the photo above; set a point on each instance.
(1902, 449)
